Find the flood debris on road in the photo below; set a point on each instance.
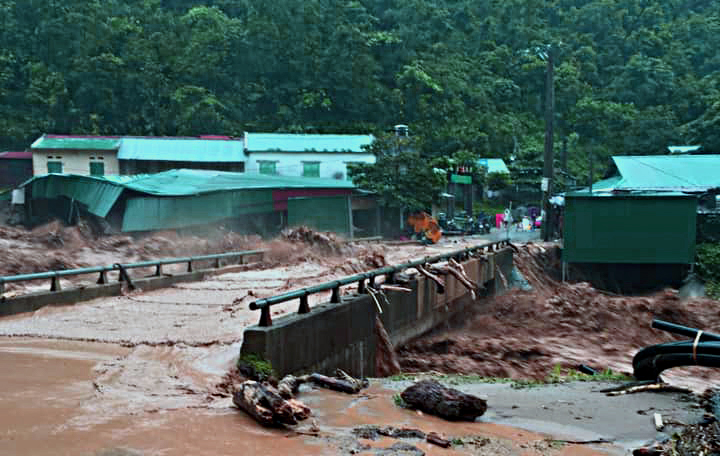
(273, 403)
(434, 398)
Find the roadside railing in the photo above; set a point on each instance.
(122, 269)
(388, 272)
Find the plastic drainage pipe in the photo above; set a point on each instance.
(683, 330)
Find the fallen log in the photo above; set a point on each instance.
(431, 397)
(263, 403)
(336, 384)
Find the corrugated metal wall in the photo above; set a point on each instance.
(630, 229)
(323, 214)
(160, 213)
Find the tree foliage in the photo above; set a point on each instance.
(632, 76)
(401, 176)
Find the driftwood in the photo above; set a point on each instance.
(461, 270)
(433, 398)
(386, 362)
(464, 281)
(436, 439)
(289, 385)
(265, 404)
(395, 288)
(656, 387)
(344, 384)
(440, 282)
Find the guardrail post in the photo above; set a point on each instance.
(361, 287)
(55, 284)
(334, 298)
(390, 278)
(241, 260)
(158, 270)
(190, 268)
(217, 263)
(102, 280)
(123, 276)
(304, 306)
(265, 318)
(2, 287)
(371, 282)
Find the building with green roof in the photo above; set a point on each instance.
(185, 198)
(646, 215)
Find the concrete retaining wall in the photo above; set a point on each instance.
(342, 335)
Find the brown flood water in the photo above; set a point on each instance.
(59, 398)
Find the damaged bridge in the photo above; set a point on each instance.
(410, 299)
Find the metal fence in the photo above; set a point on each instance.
(54, 276)
(388, 272)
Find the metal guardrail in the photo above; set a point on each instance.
(55, 276)
(388, 271)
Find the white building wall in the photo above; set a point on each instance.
(332, 164)
(75, 161)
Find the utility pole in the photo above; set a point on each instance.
(548, 169)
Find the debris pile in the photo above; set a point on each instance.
(273, 403)
(325, 242)
(525, 334)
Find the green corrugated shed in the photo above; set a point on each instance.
(159, 213)
(656, 228)
(76, 142)
(322, 213)
(178, 198)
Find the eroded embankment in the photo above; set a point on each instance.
(525, 334)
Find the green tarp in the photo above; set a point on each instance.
(98, 195)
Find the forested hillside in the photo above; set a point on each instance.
(632, 76)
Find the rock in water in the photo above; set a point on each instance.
(433, 398)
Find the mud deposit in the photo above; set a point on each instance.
(525, 334)
(86, 399)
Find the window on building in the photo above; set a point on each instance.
(97, 168)
(267, 167)
(55, 167)
(311, 169)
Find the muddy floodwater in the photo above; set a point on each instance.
(53, 404)
(138, 374)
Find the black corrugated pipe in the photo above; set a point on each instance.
(703, 350)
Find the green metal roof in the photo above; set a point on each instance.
(182, 149)
(76, 142)
(494, 165)
(183, 182)
(668, 172)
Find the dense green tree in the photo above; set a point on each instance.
(631, 76)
